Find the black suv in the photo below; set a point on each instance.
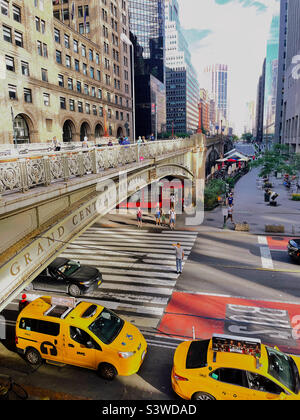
(69, 276)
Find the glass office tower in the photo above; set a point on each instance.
(147, 29)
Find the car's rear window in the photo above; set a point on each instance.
(197, 354)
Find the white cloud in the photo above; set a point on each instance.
(238, 38)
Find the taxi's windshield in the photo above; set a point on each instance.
(107, 326)
(284, 369)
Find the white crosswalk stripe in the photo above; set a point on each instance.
(138, 267)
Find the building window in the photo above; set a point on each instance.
(10, 63)
(76, 62)
(27, 95)
(16, 13)
(75, 46)
(38, 24)
(72, 104)
(92, 72)
(68, 61)
(12, 92)
(70, 83)
(83, 50)
(87, 108)
(57, 36)
(39, 48)
(84, 69)
(25, 68)
(86, 89)
(80, 106)
(44, 75)
(61, 80)
(99, 93)
(45, 50)
(43, 26)
(101, 111)
(94, 109)
(7, 34)
(62, 102)
(4, 7)
(67, 41)
(46, 98)
(58, 57)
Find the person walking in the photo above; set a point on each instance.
(225, 215)
(157, 216)
(179, 253)
(139, 216)
(172, 215)
(230, 199)
(230, 212)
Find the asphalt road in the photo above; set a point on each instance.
(225, 272)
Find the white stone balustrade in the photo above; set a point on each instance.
(20, 173)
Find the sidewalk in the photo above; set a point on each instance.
(250, 207)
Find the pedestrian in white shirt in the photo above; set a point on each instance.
(172, 215)
(179, 257)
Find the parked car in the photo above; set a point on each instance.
(294, 249)
(64, 275)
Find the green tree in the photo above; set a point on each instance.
(248, 137)
(278, 159)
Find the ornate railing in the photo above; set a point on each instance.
(19, 174)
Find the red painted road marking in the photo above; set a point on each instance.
(275, 323)
(278, 242)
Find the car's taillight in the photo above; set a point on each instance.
(179, 378)
(16, 340)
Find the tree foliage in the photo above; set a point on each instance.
(278, 159)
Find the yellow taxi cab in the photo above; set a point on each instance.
(63, 331)
(234, 368)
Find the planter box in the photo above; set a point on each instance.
(242, 227)
(274, 228)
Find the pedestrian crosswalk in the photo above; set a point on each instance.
(138, 268)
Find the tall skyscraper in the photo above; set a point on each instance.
(281, 69)
(260, 105)
(271, 81)
(182, 87)
(217, 84)
(147, 28)
(289, 97)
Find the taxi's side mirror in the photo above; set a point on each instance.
(282, 396)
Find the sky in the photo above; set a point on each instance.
(233, 32)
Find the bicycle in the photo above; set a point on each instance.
(9, 387)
